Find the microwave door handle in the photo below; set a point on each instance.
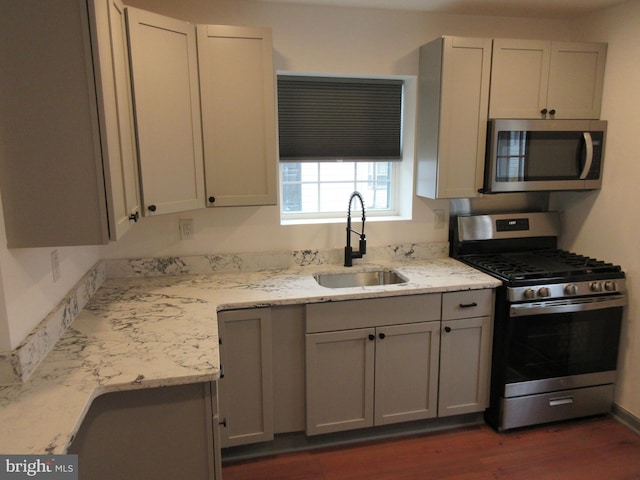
(588, 141)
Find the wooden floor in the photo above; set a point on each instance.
(598, 449)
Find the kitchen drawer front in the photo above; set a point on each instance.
(467, 304)
(549, 407)
(374, 312)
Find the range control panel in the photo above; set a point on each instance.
(512, 225)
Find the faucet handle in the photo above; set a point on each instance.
(363, 244)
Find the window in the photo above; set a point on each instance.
(324, 187)
(338, 135)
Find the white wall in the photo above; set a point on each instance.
(326, 40)
(605, 224)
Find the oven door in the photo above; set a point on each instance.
(562, 344)
(530, 155)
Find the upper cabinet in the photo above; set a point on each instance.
(116, 108)
(465, 81)
(205, 113)
(238, 115)
(66, 170)
(167, 108)
(542, 79)
(453, 96)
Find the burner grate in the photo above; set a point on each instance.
(539, 264)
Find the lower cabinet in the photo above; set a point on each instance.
(336, 366)
(465, 364)
(246, 383)
(465, 352)
(373, 376)
(167, 432)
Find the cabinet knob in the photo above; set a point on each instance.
(223, 422)
(447, 329)
(152, 208)
(382, 336)
(552, 111)
(212, 199)
(544, 111)
(134, 216)
(372, 337)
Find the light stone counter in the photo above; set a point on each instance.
(149, 331)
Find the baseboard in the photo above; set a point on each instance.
(625, 417)
(296, 442)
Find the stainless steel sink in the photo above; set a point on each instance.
(359, 279)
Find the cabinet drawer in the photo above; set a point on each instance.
(374, 312)
(470, 303)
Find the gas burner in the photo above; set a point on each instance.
(538, 264)
(580, 263)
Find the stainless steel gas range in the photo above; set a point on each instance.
(558, 319)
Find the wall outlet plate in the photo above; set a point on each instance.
(55, 265)
(438, 219)
(186, 228)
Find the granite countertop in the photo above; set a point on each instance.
(144, 332)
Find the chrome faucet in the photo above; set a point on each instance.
(349, 254)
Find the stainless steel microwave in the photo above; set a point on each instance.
(535, 155)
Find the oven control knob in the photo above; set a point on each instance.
(596, 286)
(543, 292)
(529, 294)
(610, 286)
(571, 289)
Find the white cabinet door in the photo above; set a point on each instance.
(465, 363)
(452, 116)
(167, 109)
(576, 79)
(340, 380)
(111, 60)
(542, 79)
(238, 115)
(246, 390)
(406, 379)
(519, 78)
(365, 377)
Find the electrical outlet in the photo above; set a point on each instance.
(438, 219)
(186, 228)
(55, 265)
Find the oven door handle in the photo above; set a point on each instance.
(567, 306)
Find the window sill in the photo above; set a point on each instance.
(355, 219)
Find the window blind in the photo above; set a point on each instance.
(328, 118)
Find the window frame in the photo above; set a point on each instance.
(400, 189)
(391, 211)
